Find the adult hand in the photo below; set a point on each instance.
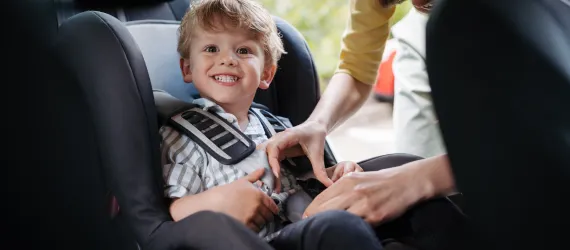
(375, 196)
(243, 201)
(307, 138)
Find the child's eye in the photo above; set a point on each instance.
(211, 49)
(243, 51)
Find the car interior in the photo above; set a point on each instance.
(104, 58)
(118, 65)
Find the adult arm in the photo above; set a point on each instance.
(363, 43)
(361, 52)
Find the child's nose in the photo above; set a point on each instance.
(228, 60)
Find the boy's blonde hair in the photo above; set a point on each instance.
(245, 14)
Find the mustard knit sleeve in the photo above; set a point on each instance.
(364, 39)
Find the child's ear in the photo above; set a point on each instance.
(267, 76)
(186, 72)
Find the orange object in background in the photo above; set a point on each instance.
(384, 87)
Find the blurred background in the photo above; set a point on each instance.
(369, 132)
(321, 23)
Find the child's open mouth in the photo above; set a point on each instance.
(226, 80)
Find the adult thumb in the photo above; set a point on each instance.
(255, 175)
(318, 163)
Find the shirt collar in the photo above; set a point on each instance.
(254, 126)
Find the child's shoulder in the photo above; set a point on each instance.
(174, 141)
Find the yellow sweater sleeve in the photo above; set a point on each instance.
(364, 39)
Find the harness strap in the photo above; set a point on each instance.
(267, 126)
(213, 133)
(271, 124)
(219, 138)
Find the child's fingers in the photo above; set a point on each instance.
(330, 171)
(255, 175)
(338, 172)
(358, 169)
(351, 167)
(258, 183)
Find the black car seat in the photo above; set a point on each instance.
(500, 76)
(57, 11)
(111, 96)
(124, 10)
(112, 79)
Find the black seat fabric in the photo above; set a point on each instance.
(125, 10)
(500, 77)
(295, 90)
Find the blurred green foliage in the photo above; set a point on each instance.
(322, 23)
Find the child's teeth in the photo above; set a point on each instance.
(226, 78)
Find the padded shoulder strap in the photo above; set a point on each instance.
(167, 106)
(213, 133)
(271, 124)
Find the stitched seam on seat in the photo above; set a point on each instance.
(172, 10)
(152, 21)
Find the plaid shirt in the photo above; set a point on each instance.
(188, 169)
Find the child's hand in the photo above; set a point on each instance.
(246, 203)
(341, 169)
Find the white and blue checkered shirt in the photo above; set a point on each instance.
(188, 169)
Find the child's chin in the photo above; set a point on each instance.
(226, 100)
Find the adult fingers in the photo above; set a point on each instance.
(275, 147)
(315, 153)
(374, 215)
(339, 188)
(343, 185)
(341, 202)
(361, 208)
(277, 187)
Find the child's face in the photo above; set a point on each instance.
(227, 66)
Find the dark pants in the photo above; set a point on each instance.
(328, 231)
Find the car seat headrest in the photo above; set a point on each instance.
(115, 3)
(157, 41)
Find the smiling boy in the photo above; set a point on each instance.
(229, 49)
